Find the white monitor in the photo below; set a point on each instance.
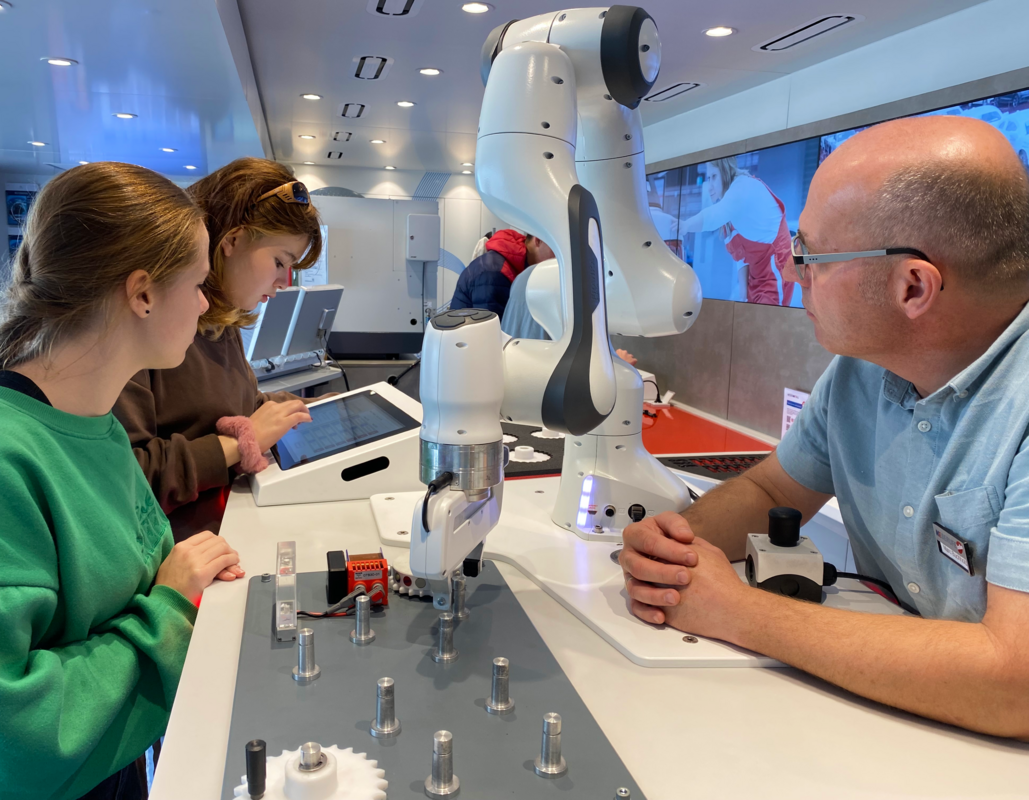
(312, 318)
(268, 336)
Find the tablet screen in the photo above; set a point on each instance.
(343, 424)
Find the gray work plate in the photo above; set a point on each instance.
(493, 755)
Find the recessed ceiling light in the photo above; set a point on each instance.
(59, 62)
(306, 136)
(311, 96)
(378, 141)
(389, 167)
(124, 115)
(468, 164)
(720, 30)
(476, 8)
(83, 162)
(190, 166)
(466, 172)
(308, 162)
(169, 150)
(430, 71)
(404, 103)
(38, 144)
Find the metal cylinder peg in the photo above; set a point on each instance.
(442, 782)
(457, 594)
(311, 757)
(623, 794)
(257, 768)
(306, 670)
(445, 651)
(550, 764)
(363, 633)
(500, 701)
(386, 724)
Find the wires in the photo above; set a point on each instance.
(335, 363)
(830, 575)
(393, 380)
(337, 609)
(441, 480)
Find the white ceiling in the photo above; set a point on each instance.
(167, 62)
(299, 47)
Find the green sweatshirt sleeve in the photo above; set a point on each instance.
(83, 710)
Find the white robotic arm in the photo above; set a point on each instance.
(542, 76)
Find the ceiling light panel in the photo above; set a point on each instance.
(311, 96)
(371, 68)
(806, 32)
(307, 136)
(672, 91)
(719, 31)
(476, 8)
(405, 103)
(351, 110)
(378, 141)
(56, 61)
(124, 115)
(430, 71)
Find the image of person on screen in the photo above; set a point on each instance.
(753, 225)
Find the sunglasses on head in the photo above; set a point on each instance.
(292, 192)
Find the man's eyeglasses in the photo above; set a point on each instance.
(292, 192)
(802, 257)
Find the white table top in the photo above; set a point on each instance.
(697, 733)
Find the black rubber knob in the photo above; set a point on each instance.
(256, 767)
(784, 527)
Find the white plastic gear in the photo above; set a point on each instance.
(358, 777)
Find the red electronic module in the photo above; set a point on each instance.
(371, 571)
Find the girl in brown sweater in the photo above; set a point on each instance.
(193, 427)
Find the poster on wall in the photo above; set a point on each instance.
(19, 198)
(792, 402)
(13, 243)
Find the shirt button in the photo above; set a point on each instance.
(914, 588)
(925, 426)
(909, 511)
(963, 394)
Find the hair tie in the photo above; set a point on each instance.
(251, 459)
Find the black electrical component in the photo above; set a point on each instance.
(256, 767)
(336, 589)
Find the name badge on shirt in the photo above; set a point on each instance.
(953, 548)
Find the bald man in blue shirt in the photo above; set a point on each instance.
(922, 420)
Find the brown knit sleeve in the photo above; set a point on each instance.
(177, 469)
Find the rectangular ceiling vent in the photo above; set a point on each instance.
(342, 136)
(806, 32)
(394, 8)
(334, 155)
(371, 68)
(352, 110)
(672, 91)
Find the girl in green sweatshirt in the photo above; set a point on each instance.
(96, 605)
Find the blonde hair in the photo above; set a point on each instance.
(89, 229)
(229, 199)
(728, 171)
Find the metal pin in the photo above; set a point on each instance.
(311, 757)
(363, 633)
(623, 793)
(457, 595)
(442, 782)
(500, 701)
(445, 650)
(550, 764)
(306, 670)
(386, 724)
(257, 767)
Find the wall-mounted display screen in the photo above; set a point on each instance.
(732, 219)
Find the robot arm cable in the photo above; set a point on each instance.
(441, 480)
